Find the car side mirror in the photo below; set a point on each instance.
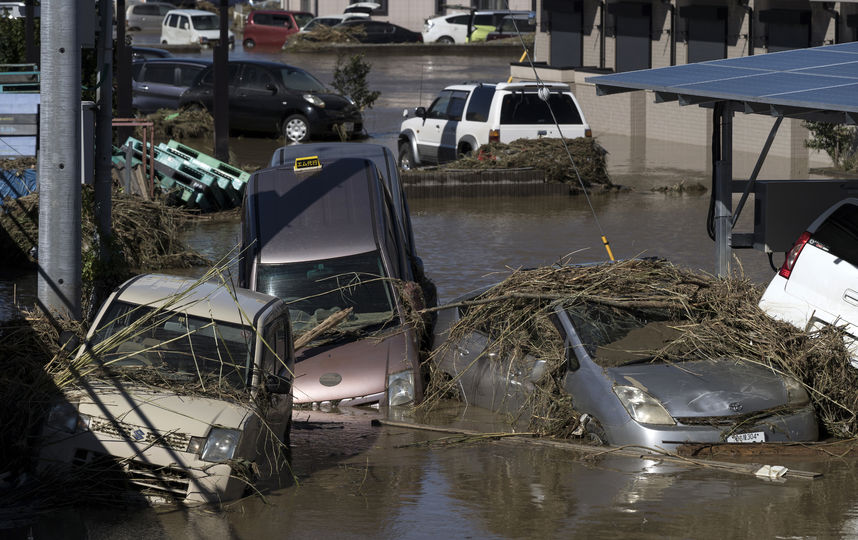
(421, 112)
(277, 385)
(405, 113)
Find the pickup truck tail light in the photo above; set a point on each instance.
(588, 132)
(792, 255)
(494, 135)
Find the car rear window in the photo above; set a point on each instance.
(839, 233)
(527, 108)
(458, 19)
(481, 101)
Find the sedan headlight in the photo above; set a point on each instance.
(796, 394)
(315, 100)
(642, 407)
(65, 417)
(400, 388)
(221, 444)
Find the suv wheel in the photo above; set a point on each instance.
(406, 157)
(465, 150)
(296, 128)
(249, 44)
(447, 40)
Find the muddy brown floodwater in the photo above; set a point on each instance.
(353, 480)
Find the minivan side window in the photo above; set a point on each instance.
(281, 20)
(839, 234)
(173, 21)
(481, 101)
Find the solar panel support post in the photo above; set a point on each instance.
(724, 189)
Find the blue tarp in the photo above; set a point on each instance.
(13, 185)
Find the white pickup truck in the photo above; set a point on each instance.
(465, 116)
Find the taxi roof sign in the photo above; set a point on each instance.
(307, 163)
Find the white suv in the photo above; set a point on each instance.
(465, 116)
(817, 285)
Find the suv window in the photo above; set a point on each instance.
(839, 234)
(481, 102)
(457, 105)
(527, 108)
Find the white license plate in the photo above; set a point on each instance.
(350, 126)
(755, 436)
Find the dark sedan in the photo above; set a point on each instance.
(277, 98)
(159, 83)
(367, 31)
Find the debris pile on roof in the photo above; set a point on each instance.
(180, 125)
(323, 36)
(723, 322)
(548, 155)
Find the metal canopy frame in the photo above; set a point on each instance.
(817, 84)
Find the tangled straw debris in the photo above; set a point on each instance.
(548, 155)
(722, 320)
(179, 125)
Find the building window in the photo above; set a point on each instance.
(380, 11)
(489, 4)
(306, 5)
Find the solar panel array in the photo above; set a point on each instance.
(820, 78)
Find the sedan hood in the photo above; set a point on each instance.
(160, 411)
(706, 388)
(354, 369)
(336, 102)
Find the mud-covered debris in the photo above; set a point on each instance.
(18, 164)
(548, 155)
(188, 123)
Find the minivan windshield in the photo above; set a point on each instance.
(616, 337)
(174, 347)
(205, 22)
(315, 290)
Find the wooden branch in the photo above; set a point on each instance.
(331, 322)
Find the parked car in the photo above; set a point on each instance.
(160, 83)
(369, 31)
(465, 116)
(271, 97)
(817, 285)
(447, 29)
(513, 25)
(145, 53)
(320, 232)
(330, 20)
(628, 396)
(183, 369)
(361, 8)
(487, 21)
(148, 16)
(16, 10)
(192, 27)
(271, 28)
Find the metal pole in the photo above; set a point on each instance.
(104, 134)
(123, 72)
(724, 192)
(59, 280)
(29, 32)
(221, 96)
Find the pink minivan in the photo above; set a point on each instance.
(270, 28)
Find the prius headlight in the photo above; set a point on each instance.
(642, 407)
(796, 394)
(315, 100)
(65, 417)
(400, 388)
(220, 445)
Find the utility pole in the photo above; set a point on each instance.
(104, 135)
(221, 87)
(59, 279)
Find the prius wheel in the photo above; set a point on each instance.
(446, 40)
(296, 128)
(406, 157)
(249, 44)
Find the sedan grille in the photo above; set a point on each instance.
(140, 434)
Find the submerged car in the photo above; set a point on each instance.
(192, 380)
(321, 232)
(368, 31)
(159, 83)
(817, 285)
(270, 97)
(192, 27)
(625, 394)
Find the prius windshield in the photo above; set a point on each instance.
(174, 347)
(315, 290)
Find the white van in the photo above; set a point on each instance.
(192, 26)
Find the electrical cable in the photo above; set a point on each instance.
(544, 93)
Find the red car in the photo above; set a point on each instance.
(271, 28)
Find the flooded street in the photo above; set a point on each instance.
(350, 479)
